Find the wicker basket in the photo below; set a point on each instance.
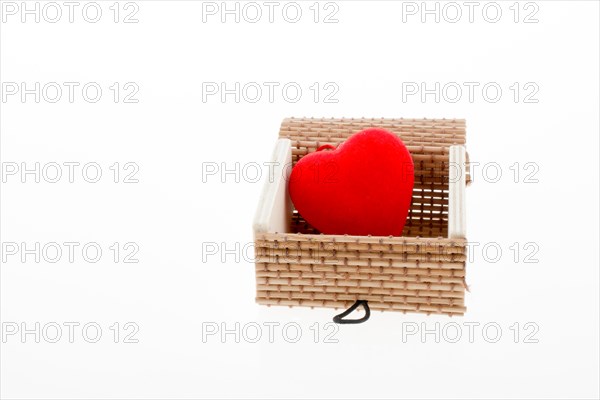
(421, 271)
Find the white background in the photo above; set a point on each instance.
(172, 213)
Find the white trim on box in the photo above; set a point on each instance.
(457, 224)
(275, 207)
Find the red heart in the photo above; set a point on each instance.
(364, 187)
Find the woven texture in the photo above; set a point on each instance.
(416, 274)
(422, 271)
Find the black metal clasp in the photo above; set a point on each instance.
(338, 319)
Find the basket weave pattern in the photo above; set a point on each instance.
(422, 271)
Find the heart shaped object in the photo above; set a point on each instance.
(362, 187)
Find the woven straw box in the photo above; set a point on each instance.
(421, 271)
